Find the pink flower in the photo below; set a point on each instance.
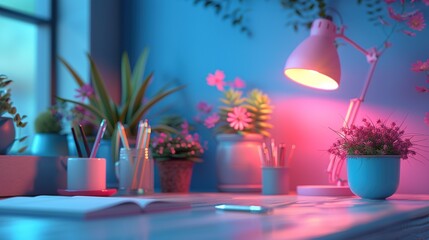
(409, 33)
(421, 89)
(387, 44)
(426, 2)
(185, 128)
(239, 118)
(417, 21)
(84, 92)
(395, 16)
(420, 66)
(238, 83)
(427, 118)
(216, 79)
(211, 120)
(204, 107)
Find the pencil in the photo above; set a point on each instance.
(76, 142)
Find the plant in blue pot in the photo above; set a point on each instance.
(51, 130)
(373, 151)
(9, 117)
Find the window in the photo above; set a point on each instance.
(27, 42)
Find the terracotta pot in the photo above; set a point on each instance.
(175, 175)
(7, 133)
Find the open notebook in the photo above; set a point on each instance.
(85, 207)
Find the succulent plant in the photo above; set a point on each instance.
(47, 122)
(258, 106)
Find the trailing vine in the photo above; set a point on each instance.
(301, 13)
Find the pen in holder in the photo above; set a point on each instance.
(135, 171)
(275, 168)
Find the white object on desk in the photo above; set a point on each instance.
(86, 174)
(84, 206)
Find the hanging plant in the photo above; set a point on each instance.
(301, 12)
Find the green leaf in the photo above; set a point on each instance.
(78, 80)
(106, 102)
(76, 76)
(138, 97)
(126, 79)
(95, 111)
(144, 108)
(139, 68)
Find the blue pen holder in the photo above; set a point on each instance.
(275, 180)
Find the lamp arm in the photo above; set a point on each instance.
(336, 163)
(355, 102)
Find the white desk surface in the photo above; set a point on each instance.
(295, 217)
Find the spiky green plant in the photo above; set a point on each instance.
(132, 108)
(258, 105)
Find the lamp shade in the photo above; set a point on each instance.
(315, 62)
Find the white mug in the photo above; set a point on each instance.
(86, 174)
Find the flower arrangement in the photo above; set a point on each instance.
(238, 114)
(371, 138)
(182, 145)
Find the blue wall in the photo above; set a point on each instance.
(187, 42)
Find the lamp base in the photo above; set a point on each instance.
(324, 190)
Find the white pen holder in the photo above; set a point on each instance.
(275, 180)
(86, 174)
(135, 171)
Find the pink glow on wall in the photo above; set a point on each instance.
(308, 122)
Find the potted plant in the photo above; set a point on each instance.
(240, 124)
(51, 133)
(175, 155)
(9, 117)
(373, 152)
(133, 107)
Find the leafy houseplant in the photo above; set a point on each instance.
(238, 114)
(133, 105)
(6, 104)
(7, 108)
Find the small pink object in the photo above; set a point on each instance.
(96, 193)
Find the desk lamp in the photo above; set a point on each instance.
(315, 63)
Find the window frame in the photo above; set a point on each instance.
(45, 24)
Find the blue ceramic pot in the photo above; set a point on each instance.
(50, 144)
(373, 176)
